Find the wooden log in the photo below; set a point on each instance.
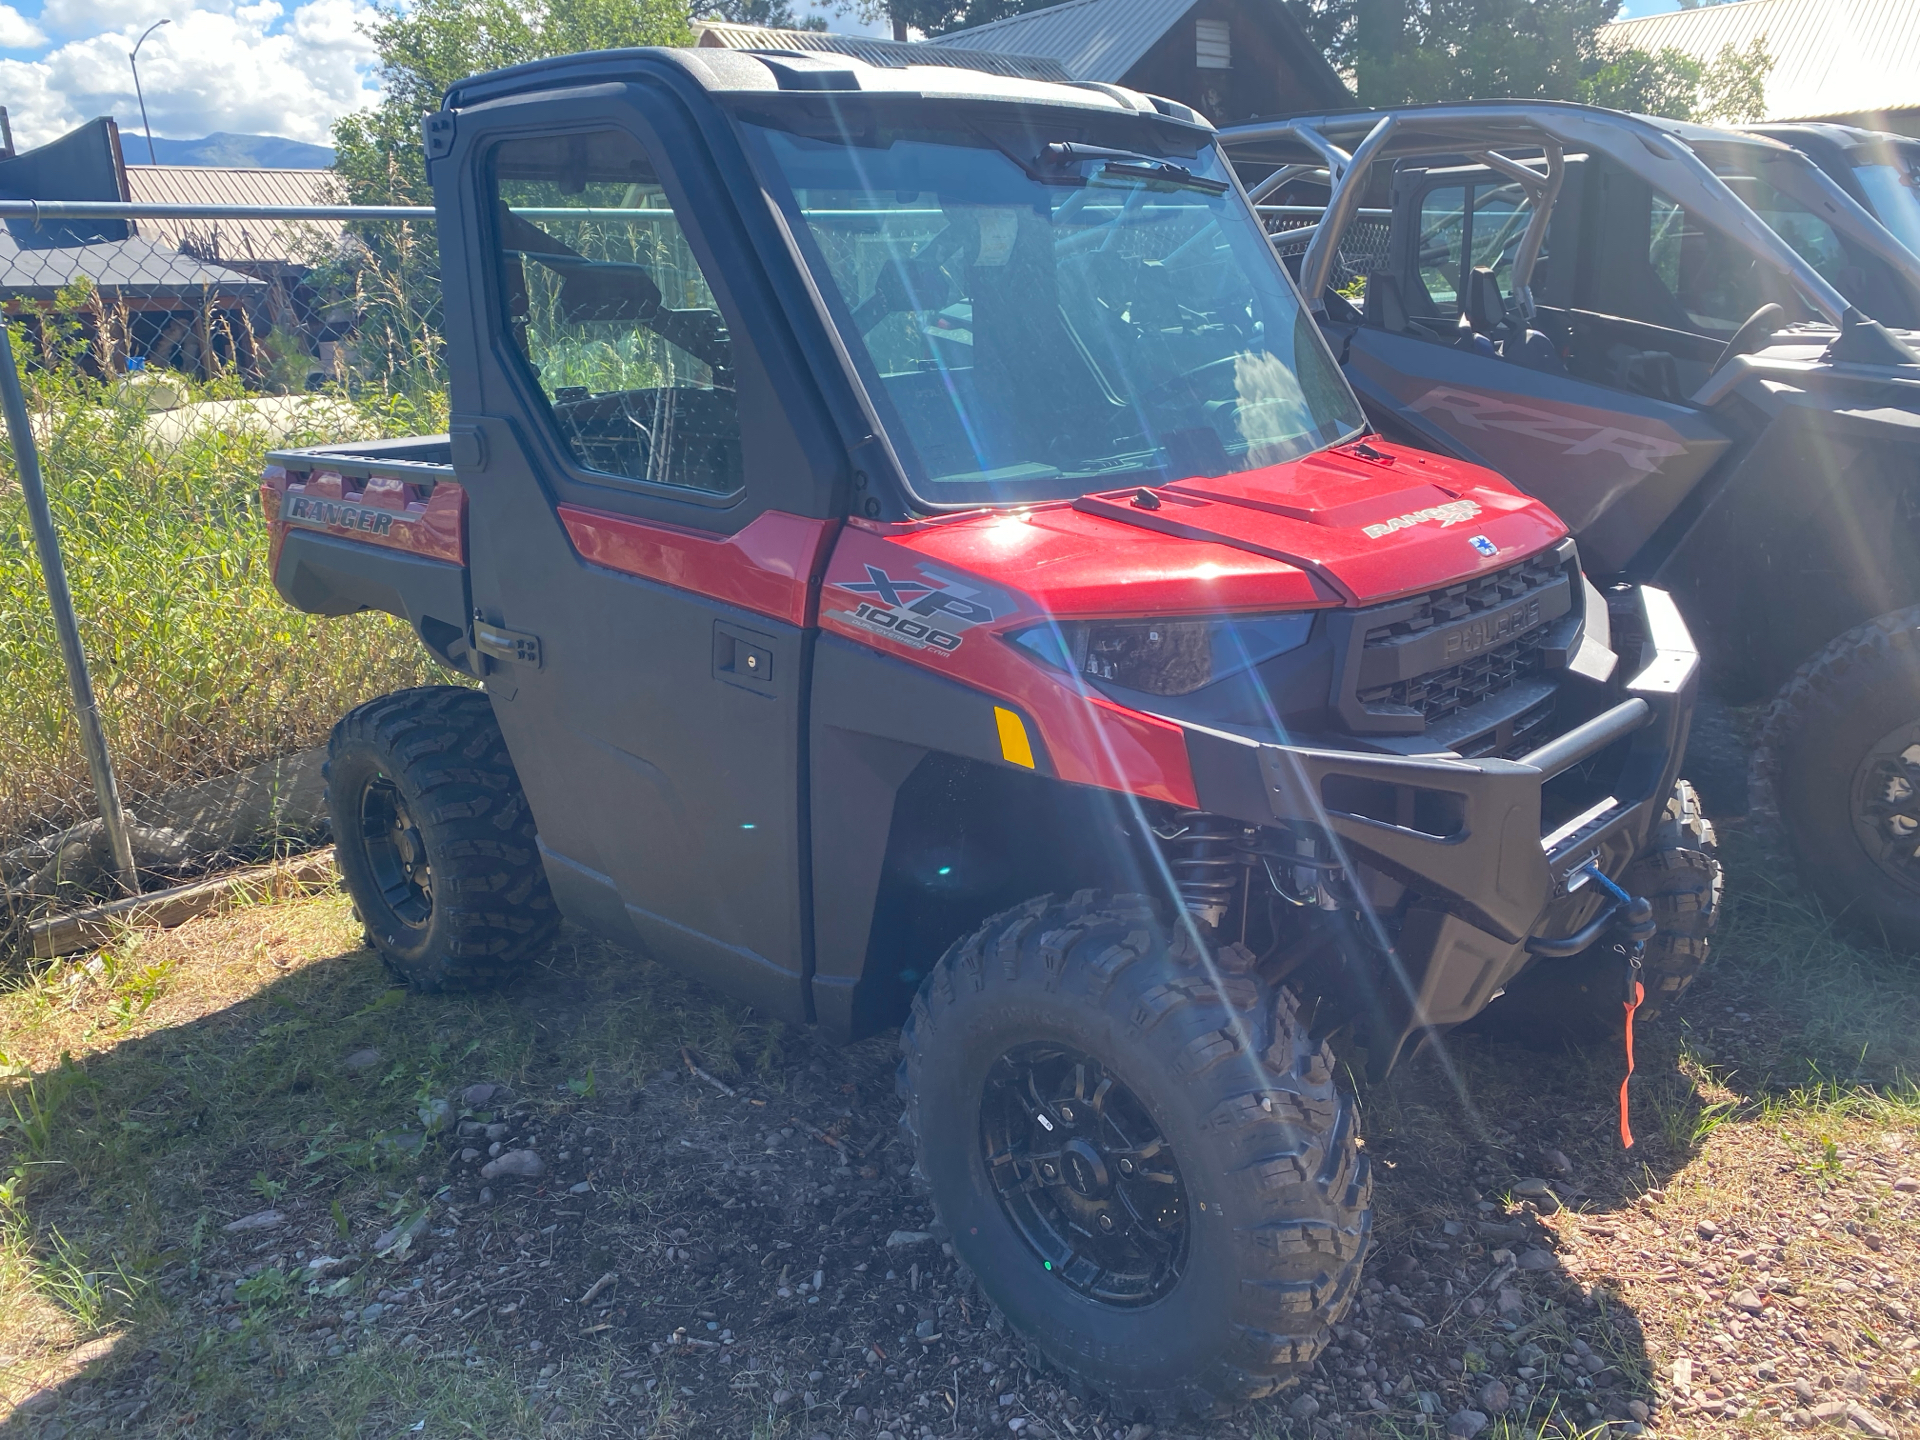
(164, 909)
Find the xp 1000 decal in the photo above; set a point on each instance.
(919, 606)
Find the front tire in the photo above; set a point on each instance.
(1138, 1152)
(1837, 773)
(434, 839)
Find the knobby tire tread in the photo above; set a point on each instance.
(1297, 1159)
(443, 744)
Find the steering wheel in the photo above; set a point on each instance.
(1752, 335)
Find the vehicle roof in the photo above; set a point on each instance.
(724, 71)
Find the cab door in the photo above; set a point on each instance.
(651, 495)
(1612, 463)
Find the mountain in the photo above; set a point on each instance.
(268, 152)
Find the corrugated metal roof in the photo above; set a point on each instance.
(1094, 39)
(129, 268)
(1830, 57)
(720, 35)
(274, 240)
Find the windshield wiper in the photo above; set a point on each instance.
(1127, 164)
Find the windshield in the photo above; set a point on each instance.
(1041, 319)
(1894, 192)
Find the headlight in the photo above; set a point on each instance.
(1166, 657)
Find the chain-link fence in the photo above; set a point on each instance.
(161, 353)
(1363, 246)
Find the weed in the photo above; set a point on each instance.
(269, 1287)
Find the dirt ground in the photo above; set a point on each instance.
(250, 1196)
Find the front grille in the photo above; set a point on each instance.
(1441, 693)
(1483, 592)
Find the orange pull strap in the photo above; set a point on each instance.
(1639, 994)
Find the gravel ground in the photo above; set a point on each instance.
(669, 1253)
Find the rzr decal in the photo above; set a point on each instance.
(1454, 512)
(1573, 435)
(930, 613)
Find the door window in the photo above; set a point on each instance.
(1443, 228)
(1500, 216)
(609, 310)
(1714, 280)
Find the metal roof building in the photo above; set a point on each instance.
(255, 240)
(1229, 59)
(1851, 60)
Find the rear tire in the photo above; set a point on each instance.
(1220, 1280)
(1578, 1000)
(434, 839)
(1831, 778)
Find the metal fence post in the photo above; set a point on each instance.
(26, 461)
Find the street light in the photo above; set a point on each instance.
(134, 61)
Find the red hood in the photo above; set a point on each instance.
(1333, 528)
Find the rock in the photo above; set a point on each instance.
(782, 1397)
(259, 1220)
(1749, 1301)
(372, 1313)
(1529, 1357)
(1834, 1410)
(469, 1155)
(1495, 1398)
(524, 1163)
(401, 1236)
(1906, 1185)
(435, 1115)
(927, 1331)
(1538, 1260)
(1559, 1163)
(1638, 1410)
(361, 1060)
(907, 1239)
(1140, 1431)
(471, 1130)
(496, 1132)
(1532, 1188)
(1410, 1322)
(1707, 1230)
(580, 1189)
(1766, 1370)
(474, 1096)
(1304, 1408)
(1510, 1301)
(1862, 1418)
(1465, 1424)
(486, 1195)
(1804, 1389)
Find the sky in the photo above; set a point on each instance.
(275, 67)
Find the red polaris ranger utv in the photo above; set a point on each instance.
(925, 566)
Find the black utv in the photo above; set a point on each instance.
(1578, 299)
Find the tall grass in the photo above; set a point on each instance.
(199, 666)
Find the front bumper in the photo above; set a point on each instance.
(1486, 847)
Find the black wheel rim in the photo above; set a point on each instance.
(1084, 1175)
(1886, 804)
(396, 854)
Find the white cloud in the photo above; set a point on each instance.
(17, 32)
(250, 68)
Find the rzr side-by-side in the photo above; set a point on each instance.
(1694, 396)
(925, 566)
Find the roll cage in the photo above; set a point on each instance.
(1526, 141)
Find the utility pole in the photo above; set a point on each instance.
(134, 60)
